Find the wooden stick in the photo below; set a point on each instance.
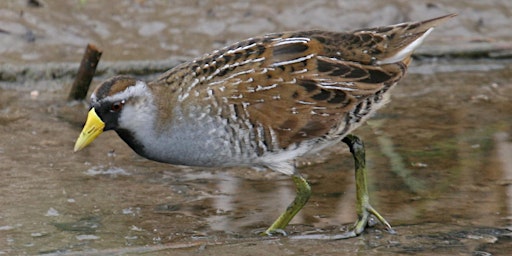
(85, 73)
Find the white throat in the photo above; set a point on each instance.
(139, 113)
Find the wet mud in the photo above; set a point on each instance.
(439, 154)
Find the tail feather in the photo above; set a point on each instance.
(397, 42)
(405, 52)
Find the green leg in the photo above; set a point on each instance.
(363, 208)
(303, 194)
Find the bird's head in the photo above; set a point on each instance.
(121, 104)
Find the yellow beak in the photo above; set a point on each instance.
(93, 127)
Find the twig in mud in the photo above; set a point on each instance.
(85, 73)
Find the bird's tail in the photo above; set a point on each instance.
(400, 40)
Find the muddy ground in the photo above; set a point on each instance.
(439, 154)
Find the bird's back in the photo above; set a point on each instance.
(275, 93)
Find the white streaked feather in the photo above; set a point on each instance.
(291, 40)
(286, 62)
(402, 54)
(139, 89)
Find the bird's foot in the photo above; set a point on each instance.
(367, 217)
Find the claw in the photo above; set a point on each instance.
(366, 220)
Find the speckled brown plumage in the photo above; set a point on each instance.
(299, 85)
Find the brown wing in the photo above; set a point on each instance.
(291, 91)
(288, 87)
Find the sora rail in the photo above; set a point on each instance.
(263, 102)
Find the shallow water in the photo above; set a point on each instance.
(439, 154)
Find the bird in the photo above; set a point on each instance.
(264, 102)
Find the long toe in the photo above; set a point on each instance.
(366, 220)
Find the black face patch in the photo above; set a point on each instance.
(128, 137)
(110, 118)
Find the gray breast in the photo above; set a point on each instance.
(198, 139)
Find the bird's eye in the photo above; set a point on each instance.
(117, 106)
